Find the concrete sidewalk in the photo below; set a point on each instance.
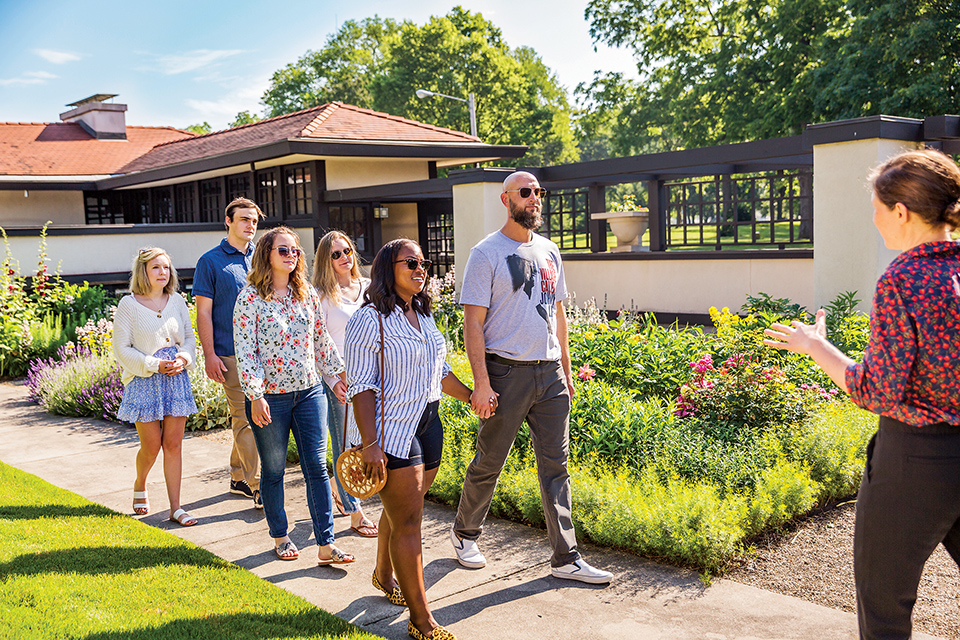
(514, 596)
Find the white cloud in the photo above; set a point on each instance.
(228, 106)
(56, 57)
(193, 60)
(28, 77)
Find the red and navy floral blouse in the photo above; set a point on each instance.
(911, 368)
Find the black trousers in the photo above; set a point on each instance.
(909, 502)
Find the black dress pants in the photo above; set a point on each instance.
(909, 502)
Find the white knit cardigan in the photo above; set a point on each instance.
(139, 332)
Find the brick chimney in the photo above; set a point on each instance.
(102, 120)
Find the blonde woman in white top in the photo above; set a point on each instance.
(336, 276)
(154, 343)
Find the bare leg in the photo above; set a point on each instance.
(149, 433)
(173, 427)
(402, 499)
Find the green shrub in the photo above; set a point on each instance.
(782, 492)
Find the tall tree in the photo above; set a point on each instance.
(380, 64)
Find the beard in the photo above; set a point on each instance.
(526, 219)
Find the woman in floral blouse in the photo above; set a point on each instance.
(909, 499)
(282, 350)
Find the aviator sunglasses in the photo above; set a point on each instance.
(526, 191)
(336, 254)
(288, 251)
(413, 263)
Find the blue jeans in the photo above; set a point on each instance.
(304, 413)
(336, 414)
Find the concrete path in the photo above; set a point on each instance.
(514, 596)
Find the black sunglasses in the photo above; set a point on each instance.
(336, 254)
(288, 251)
(413, 263)
(526, 191)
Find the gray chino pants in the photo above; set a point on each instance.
(538, 394)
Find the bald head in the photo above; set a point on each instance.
(519, 179)
(522, 198)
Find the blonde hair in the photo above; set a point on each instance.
(140, 281)
(324, 275)
(261, 273)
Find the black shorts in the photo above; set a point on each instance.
(427, 445)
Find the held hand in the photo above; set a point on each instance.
(170, 367)
(214, 367)
(798, 337)
(484, 401)
(260, 412)
(568, 379)
(340, 391)
(374, 463)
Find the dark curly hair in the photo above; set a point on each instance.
(382, 292)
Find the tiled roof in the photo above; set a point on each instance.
(65, 149)
(331, 121)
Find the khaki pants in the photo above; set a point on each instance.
(244, 461)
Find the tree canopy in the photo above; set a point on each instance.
(379, 64)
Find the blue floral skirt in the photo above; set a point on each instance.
(150, 399)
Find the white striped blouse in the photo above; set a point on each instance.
(414, 362)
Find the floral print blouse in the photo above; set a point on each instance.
(282, 344)
(909, 369)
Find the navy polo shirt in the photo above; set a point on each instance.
(221, 274)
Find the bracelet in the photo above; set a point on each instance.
(368, 446)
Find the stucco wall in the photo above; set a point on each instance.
(60, 207)
(402, 222)
(348, 173)
(687, 286)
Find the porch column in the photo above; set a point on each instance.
(849, 254)
(477, 210)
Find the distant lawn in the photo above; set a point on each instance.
(70, 568)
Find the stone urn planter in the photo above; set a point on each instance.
(628, 227)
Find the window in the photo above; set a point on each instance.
(211, 200)
(356, 222)
(184, 204)
(268, 195)
(238, 186)
(161, 206)
(102, 207)
(299, 195)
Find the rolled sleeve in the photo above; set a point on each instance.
(361, 350)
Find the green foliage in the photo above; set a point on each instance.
(782, 492)
(199, 129)
(379, 63)
(447, 312)
(70, 567)
(245, 117)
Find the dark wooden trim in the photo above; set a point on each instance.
(757, 254)
(657, 204)
(119, 229)
(27, 185)
(321, 212)
(432, 169)
(887, 127)
(941, 127)
(597, 203)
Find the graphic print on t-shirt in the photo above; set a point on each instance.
(524, 273)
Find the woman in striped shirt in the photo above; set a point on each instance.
(415, 372)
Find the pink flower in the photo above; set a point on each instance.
(586, 373)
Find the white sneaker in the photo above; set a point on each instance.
(468, 554)
(583, 572)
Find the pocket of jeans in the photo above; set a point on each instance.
(498, 370)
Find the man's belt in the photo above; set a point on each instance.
(517, 363)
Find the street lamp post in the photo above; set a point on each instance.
(471, 105)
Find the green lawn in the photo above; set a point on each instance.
(70, 568)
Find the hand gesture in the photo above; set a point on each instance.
(798, 337)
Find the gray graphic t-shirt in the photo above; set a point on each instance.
(519, 284)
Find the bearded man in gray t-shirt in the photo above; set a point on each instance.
(515, 332)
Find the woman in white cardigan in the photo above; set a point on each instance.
(154, 343)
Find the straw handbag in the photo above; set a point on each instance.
(350, 462)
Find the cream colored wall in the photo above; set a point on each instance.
(687, 286)
(348, 173)
(849, 252)
(114, 252)
(477, 212)
(402, 222)
(60, 207)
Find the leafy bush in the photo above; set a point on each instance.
(447, 313)
(77, 382)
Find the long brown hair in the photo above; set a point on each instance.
(382, 292)
(261, 274)
(324, 275)
(927, 182)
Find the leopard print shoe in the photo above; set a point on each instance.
(395, 596)
(438, 633)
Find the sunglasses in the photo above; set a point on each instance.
(288, 251)
(526, 191)
(336, 254)
(413, 263)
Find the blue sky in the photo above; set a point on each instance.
(179, 63)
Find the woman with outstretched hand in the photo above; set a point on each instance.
(909, 499)
(396, 322)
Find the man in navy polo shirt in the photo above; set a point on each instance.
(221, 274)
